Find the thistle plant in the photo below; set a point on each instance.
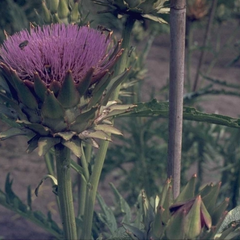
(190, 216)
(55, 90)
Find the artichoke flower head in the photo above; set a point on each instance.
(138, 9)
(55, 85)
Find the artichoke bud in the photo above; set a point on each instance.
(139, 9)
(196, 219)
(194, 216)
(63, 10)
(46, 13)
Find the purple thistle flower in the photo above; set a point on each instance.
(54, 80)
(52, 50)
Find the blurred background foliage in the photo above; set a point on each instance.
(138, 160)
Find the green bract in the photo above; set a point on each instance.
(61, 11)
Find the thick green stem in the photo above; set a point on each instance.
(65, 191)
(123, 61)
(88, 152)
(92, 190)
(82, 188)
(97, 169)
(82, 191)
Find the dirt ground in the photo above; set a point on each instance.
(29, 169)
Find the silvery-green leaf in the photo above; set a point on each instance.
(154, 18)
(65, 135)
(124, 207)
(107, 216)
(13, 132)
(232, 216)
(46, 143)
(107, 129)
(95, 134)
(74, 145)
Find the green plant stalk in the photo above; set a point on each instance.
(143, 171)
(92, 190)
(97, 169)
(88, 152)
(123, 61)
(65, 191)
(82, 194)
(84, 164)
(82, 188)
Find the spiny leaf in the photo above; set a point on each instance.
(135, 231)
(107, 216)
(161, 109)
(122, 204)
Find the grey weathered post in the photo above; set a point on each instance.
(177, 53)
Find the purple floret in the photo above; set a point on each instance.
(53, 50)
